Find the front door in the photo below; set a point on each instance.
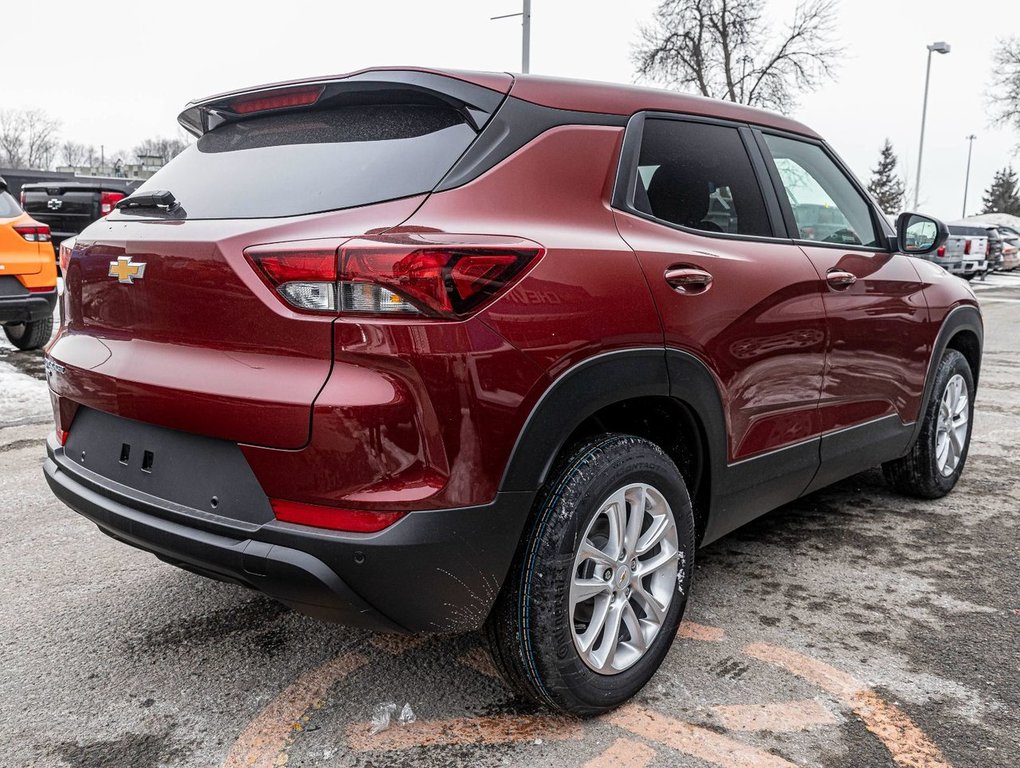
(876, 357)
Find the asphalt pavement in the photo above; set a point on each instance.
(851, 628)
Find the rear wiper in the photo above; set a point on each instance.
(157, 198)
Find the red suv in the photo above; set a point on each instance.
(431, 351)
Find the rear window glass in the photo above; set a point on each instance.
(9, 207)
(321, 160)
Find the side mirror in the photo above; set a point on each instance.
(917, 234)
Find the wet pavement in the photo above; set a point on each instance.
(851, 628)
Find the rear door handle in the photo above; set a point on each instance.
(688, 279)
(839, 279)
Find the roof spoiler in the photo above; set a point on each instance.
(477, 103)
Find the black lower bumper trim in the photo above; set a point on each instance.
(431, 571)
(28, 307)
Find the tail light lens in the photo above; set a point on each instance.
(444, 276)
(334, 518)
(941, 251)
(64, 258)
(988, 248)
(966, 248)
(108, 201)
(34, 233)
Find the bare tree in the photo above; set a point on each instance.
(161, 147)
(73, 154)
(1004, 94)
(727, 49)
(28, 138)
(12, 138)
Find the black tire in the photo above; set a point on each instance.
(917, 473)
(33, 335)
(530, 630)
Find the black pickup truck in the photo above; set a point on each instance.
(70, 206)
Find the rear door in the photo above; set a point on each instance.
(732, 292)
(878, 348)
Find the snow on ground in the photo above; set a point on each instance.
(23, 398)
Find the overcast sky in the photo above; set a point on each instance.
(122, 74)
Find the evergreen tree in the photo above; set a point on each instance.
(886, 186)
(1002, 196)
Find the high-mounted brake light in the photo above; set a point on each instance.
(434, 275)
(108, 201)
(334, 518)
(34, 233)
(292, 97)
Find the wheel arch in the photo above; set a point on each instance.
(962, 330)
(666, 396)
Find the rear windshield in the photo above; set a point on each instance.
(308, 162)
(9, 207)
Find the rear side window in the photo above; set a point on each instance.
(9, 207)
(314, 161)
(699, 176)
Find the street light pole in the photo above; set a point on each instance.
(939, 47)
(966, 183)
(526, 38)
(525, 15)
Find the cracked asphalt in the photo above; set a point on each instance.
(851, 628)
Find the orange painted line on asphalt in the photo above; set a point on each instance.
(907, 744)
(623, 753)
(260, 743)
(693, 740)
(397, 644)
(480, 661)
(690, 630)
(777, 717)
(499, 729)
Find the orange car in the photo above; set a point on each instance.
(28, 275)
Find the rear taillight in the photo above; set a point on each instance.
(64, 258)
(62, 436)
(108, 201)
(334, 518)
(966, 248)
(432, 275)
(941, 251)
(34, 233)
(988, 248)
(21, 199)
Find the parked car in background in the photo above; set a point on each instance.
(1010, 248)
(67, 207)
(435, 351)
(965, 252)
(994, 249)
(28, 276)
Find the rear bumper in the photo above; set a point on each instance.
(26, 307)
(431, 571)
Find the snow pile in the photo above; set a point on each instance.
(22, 398)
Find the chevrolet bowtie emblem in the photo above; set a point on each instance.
(126, 270)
